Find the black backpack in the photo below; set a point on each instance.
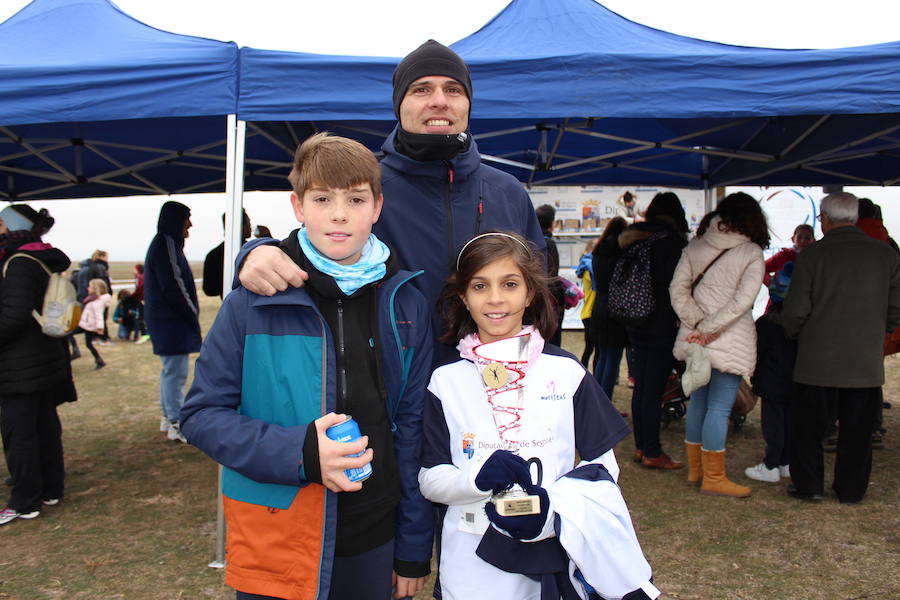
(631, 300)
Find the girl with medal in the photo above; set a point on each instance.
(517, 418)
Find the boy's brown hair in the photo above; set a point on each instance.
(330, 161)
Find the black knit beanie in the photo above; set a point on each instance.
(431, 58)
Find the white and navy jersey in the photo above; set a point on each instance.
(564, 411)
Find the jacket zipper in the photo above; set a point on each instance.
(342, 357)
(448, 214)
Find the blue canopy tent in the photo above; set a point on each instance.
(94, 103)
(570, 92)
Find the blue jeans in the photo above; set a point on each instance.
(171, 384)
(606, 371)
(709, 409)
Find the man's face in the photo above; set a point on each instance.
(435, 104)
(187, 225)
(338, 221)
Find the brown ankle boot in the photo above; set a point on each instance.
(715, 481)
(695, 467)
(663, 461)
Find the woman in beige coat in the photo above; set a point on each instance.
(713, 301)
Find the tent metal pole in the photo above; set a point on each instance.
(506, 161)
(707, 191)
(800, 163)
(234, 222)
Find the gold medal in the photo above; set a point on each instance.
(495, 375)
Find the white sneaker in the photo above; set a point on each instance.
(175, 433)
(8, 514)
(50, 501)
(762, 473)
(164, 424)
(785, 471)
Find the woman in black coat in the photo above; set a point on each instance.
(608, 335)
(652, 339)
(35, 376)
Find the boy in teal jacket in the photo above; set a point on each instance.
(275, 372)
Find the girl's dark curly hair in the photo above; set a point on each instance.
(740, 213)
(483, 250)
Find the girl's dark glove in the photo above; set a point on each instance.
(523, 527)
(501, 470)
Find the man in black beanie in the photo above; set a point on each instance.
(437, 193)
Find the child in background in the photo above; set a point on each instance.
(773, 382)
(509, 402)
(276, 372)
(121, 315)
(585, 270)
(96, 302)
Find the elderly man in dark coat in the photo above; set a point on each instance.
(844, 296)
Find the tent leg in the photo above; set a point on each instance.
(234, 223)
(234, 196)
(219, 562)
(709, 199)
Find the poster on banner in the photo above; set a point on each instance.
(586, 210)
(582, 212)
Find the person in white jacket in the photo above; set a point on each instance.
(92, 321)
(713, 290)
(510, 403)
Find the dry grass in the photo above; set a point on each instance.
(138, 520)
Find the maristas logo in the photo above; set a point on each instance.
(552, 395)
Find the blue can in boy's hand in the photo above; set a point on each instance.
(348, 431)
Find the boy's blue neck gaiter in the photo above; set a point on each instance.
(368, 269)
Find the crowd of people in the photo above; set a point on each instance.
(420, 296)
(705, 289)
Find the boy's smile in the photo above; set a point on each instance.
(338, 221)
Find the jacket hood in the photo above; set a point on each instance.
(55, 259)
(638, 232)
(632, 236)
(463, 164)
(172, 216)
(722, 239)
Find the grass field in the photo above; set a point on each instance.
(138, 519)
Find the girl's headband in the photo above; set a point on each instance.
(512, 237)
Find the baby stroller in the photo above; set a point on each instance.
(674, 401)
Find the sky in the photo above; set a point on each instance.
(395, 27)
